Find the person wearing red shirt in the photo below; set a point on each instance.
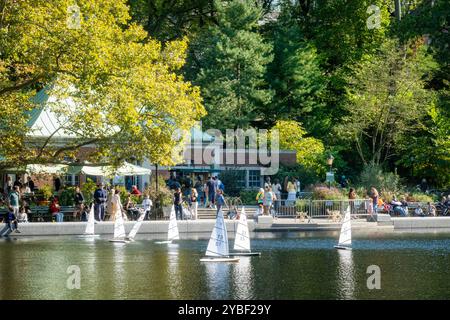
(135, 190)
(55, 210)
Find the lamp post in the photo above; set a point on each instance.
(330, 163)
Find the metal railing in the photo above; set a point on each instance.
(335, 209)
(331, 209)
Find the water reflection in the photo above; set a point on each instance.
(174, 277)
(345, 275)
(243, 279)
(217, 274)
(119, 271)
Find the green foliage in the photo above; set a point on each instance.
(305, 176)
(67, 196)
(419, 197)
(233, 181)
(248, 197)
(309, 150)
(228, 61)
(386, 101)
(45, 192)
(88, 190)
(428, 152)
(373, 175)
(167, 20)
(126, 86)
(295, 74)
(323, 192)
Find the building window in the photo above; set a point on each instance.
(254, 178)
(72, 180)
(240, 178)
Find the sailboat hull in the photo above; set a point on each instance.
(88, 236)
(163, 242)
(244, 254)
(119, 240)
(219, 260)
(342, 247)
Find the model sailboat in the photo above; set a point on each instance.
(217, 250)
(119, 228)
(172, 232)
(136, 227)
(90, 226)
(242, 238)
(345, 239)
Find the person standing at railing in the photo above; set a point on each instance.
(292, 192)
(297, 187)
(269, 197)
(351, 198)
(260, 200)
(374, 195)
(276, 189)
(193, 200)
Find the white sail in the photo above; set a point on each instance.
(136, 226)
(119, 227)
(172, 233)
(345, 239)
(90, 224)
(218, 243)
(242, 238)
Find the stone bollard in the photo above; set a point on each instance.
(265, 221)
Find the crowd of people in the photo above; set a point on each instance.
(400, 206)
(188, 196)
(208, 194)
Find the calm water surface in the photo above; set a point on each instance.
(292, 266)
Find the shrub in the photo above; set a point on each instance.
(46, 192)
(67, 196)
(322, 192)
(305, 176)
(419, 197)
(248, 197)
(232, 180)
(88, 190)
(373, 175)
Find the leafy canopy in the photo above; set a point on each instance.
(128, 87)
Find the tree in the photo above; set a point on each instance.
(309, 150)
(228, 61)
(172, 19)
(127, 86)
(428, 151)
(386, 101)
(295, 75)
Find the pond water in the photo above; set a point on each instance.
(297, 265)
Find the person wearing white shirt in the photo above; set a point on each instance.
(147, 203)
(276, 189)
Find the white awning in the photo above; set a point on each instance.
(127, 169)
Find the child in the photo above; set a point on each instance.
(11, 220)
(260, 200)
(431, 209)
(147, 204)
(23, 217)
